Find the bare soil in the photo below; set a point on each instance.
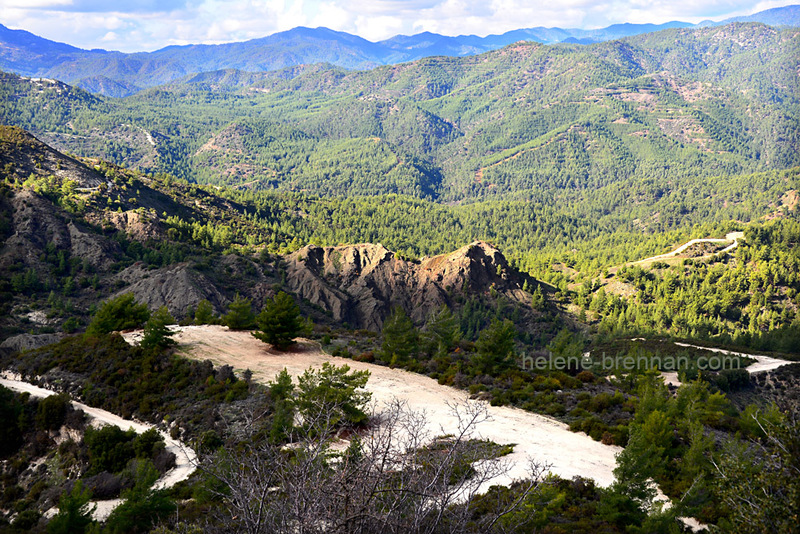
(540, 438)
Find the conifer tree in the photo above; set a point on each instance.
(400, 338)
(442, 331)
(204, 314)
(279, 323)
(495, 347)
(157, 334)
(240, 314)
(121, 313)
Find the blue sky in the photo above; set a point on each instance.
(135, 25)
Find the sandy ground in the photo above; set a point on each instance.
(763, 363)
(185, 457)
(545, 440)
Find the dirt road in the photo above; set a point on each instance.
(545, 440)
(185, 457)
(732, 238)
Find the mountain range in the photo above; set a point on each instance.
(120, 74)
(542, 123)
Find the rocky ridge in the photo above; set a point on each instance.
(360, 284)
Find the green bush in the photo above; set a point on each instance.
(51, 411)
(121, 313)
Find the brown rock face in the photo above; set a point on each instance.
(36, 224)
(360, 284)
(177, 287)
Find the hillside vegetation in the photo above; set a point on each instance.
(534, 122)
(463, 218)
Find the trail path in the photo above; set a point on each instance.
(732, 238)
(545, 440)
(185, 457)
(763, 363)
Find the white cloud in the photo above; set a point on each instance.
(132, 25)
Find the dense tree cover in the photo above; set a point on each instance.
(748, 299)
(29, 435)
(590, 230)
(527, 121)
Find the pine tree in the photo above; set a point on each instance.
(204, 314)
(495, 347)
(157, 334)
(240, 314)
(279, 322)
(282, 393)
(442, 331)
(74, 512)
(121, 313)
(400, 338)
(537, 300)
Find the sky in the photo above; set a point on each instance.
(145, 25)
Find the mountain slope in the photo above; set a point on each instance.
(119, 74)
(535, 122)
(778, 16)
(77, 232)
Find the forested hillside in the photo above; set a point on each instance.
(582, 250)
(78, 232)
(529, 121)
(505, 224)
(119, 74)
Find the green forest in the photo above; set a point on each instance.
(576, 169)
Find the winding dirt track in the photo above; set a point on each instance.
(762, 364)
(185, 458)
(546, 440)
(732, 238)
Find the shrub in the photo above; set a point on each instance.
(121, 313)
(51, 411)
(585, 377)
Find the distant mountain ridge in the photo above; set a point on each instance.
(121, 74)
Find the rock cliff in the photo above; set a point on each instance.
(360, 284)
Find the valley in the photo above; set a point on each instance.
(399, 292)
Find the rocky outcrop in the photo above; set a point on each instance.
(137, 225)
(22, 342)
(177, 287)
(360, 284)
(36, 224)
